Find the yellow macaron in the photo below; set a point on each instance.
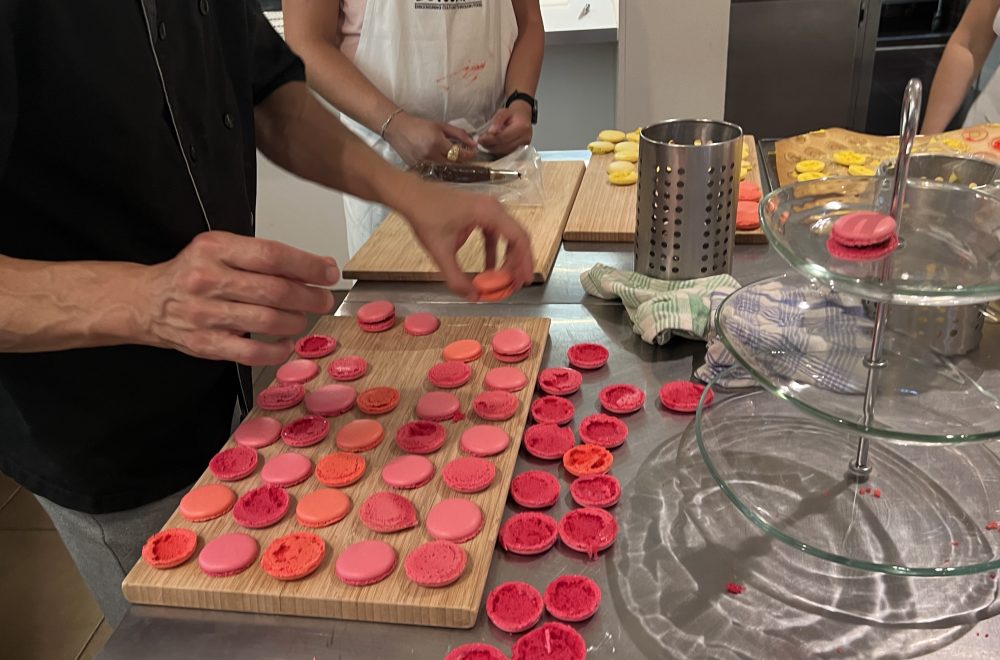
(601, 147)
(809, 166)
(620, 166)
(623, 178)
(611, 135)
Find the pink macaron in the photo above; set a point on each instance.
(622, 398)
(297, 371)
(505, 379)
(257, 432)
(228, 555)
(587, 356)
(376, 316)
(387, 512)
(511, 345)
(331, 400)
(437, 406)
(286, 470)
(365, 563)
(281, 397)
(234, 463)
(449, 375)
(408, 472)
(535, 489)
(863, 229)
(457, 520)
(528, 533)
(348, 368)
(495, 406)
(484, 440)
(421, 324)
(552, 410)
(560, 381)
(548, 441)
(435, 563)
(468, 474)
(683, 396)
(514, 606)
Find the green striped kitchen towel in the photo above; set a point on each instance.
(659, 308)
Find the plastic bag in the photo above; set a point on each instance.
(524, 191)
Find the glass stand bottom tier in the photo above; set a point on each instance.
(925, 510)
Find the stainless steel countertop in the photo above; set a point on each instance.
(663, 582)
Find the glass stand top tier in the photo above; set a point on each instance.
(924, 511)
(949, 251)
(808, 345)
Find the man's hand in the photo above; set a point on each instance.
(223, 286)
(443, 219)
(416, 139)
(509, 129)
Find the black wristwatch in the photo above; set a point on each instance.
(529, 99)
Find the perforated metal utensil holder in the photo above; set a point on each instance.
(688, 191)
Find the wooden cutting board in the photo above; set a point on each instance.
(605, 213)
(982, 141)
(401, 361)
(393, 253)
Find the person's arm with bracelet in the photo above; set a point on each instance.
(511, 127)
(960, 64)
(311, 31)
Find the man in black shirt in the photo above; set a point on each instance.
(129, 278)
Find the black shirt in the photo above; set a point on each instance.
(126, 128)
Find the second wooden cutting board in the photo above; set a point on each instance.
(393, 252)
(605, 213)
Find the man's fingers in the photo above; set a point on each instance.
(222, 345)
(268, 257)
(456, 134)
(454, 278)
(276, 292)
(242, 318)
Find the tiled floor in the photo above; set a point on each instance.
(45, 608)
(46, 611)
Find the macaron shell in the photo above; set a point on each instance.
(378, 400)
(548, 441)
(449, 375)
(257, 432)
(683, 395)
(468, 474)
(294, 556)
(297, 371)
(376, 311)
(315, 346)
(169, 548)
(305, 431)
(365, 562)
(861, 253)
(360, 435)
(347, 369)
(749, 192)
(491, 281)
(512, 341)
(588, 530)
(484, 440)
(463, 350)
(622, 398)
(587, 459)
(420, 437)
(560, 381)
(331, 400)
(435, 563)
(603, 430)
(234, 463)
(596, 490)
(572, 598)
(286, 470)
(505, 379)
(340, 469)
(457, 520)
(512, 359)
(437, 406)
(514, 606)
(380, 326)
(475, 651)
(421, 324)
(587, 356)
(863, 228)
(408, 472)
(528, 533)
(322, 507)
(281, 397)
(207, 502)
(387, 512)
(550, 641)
(261, 507)
(495, 406)
(747, 216)
(228, 554)
(552, 410)
(535, 489)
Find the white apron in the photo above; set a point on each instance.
(442, 60)
(986, 108)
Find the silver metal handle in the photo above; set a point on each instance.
(912, 100)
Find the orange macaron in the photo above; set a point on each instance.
(493, 285)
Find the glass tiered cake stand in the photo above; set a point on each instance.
(868, 445)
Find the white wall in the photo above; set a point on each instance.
(671, 60)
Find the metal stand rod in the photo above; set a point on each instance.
(860, 466)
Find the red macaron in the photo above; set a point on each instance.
(511, 345)
(560, 381)
(495, 406)
(449, 375)
(346, 369)
(572, 598)
(588, 530)
(514, 606)
(305, 431)
(596, 490)
(468, 474)
(622, 398)
(535, 489)
(683, 396)
(587, 356)
(603, 430)
(528, 533)
(169, 548)
(552, 410)
(315, 346)
(550, 641)
(376, 316)
(281, 397)
(548, 441)
(420, 437)
(234, 463)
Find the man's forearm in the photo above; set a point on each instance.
(300, 135)
(49, 306)
(951, 83)
(525, 65)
